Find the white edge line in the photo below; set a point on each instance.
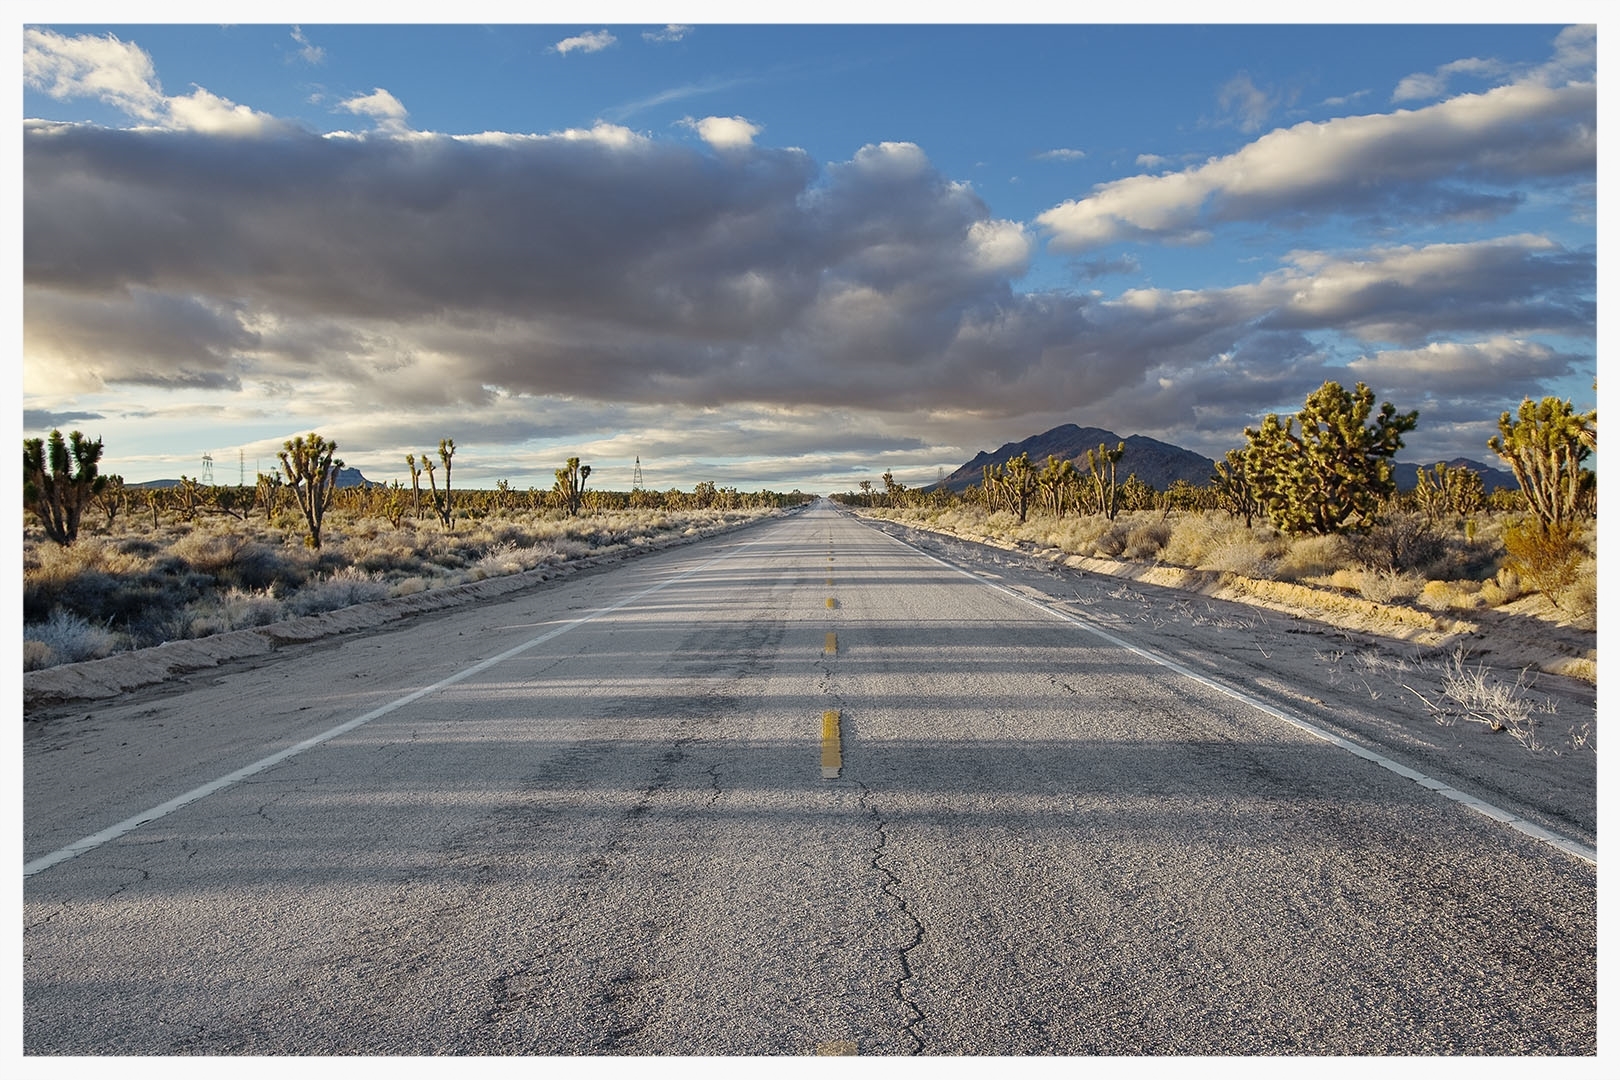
(1478, 805)
(113, 832)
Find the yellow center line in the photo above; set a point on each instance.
(832, 753)
(832, 643)
(831, 602)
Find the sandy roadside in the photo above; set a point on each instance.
(1526, 634)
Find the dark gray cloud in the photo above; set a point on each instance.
(43, 420)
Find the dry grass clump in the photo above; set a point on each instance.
(1475, 695)
(1452, 595)
(1504, 588)
(1146, 539)
(1388, 586)
(1250, 557)
(1077, 535)
(65, 638)
(1309, 557)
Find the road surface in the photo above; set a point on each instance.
(800, 789)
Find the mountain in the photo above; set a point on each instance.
(346, 478)
(1153, 462)
(1406, 475)
(1157, 463)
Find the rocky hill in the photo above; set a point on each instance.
(1153, 462)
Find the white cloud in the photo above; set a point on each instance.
(672, 32)
(1421, 87)
(214, 115)
(1000, 247)
(380, 106)
(117, 72)
(1245, 104)
(1151, 161)
(724, 132)
(1345, 99)
(310, 54)
(1399, 162)
(121, 74)
(1060, 155)
(595, 41)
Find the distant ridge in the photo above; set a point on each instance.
(1406, 475)
(1153, 462)
(1157, 463)
(347, 478)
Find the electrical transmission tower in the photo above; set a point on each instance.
(241, 468)
(207, 476)
(635, 482)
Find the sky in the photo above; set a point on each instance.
(797, 255)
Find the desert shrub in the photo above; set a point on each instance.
(232, 558)
(1192, 537)
(1147, 539)
(1401, 543)
(1389, 586)
(1579, 597)
(383, 555)
(342, 589)
(1451, 595)
(409, 586)
(1504, 588)
(1547, 558)
(1247, 556)
(1075, 535)
(1111, 542)
(1314, 556)
(65, 638)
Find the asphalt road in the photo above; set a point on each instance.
(658, 810)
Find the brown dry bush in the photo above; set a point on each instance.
(1404, 543)
(1547, 558)
(1147, 539)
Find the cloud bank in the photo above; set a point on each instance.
(1464, 157)
(606, 273)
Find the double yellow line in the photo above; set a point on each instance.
(832, 741)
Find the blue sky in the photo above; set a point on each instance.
(792, 256)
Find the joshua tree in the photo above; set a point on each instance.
(60, 480)
(571, 484)
(416, 485)
(447, 512)
(1332, 475)
(112, 498)
(1103, 465)
(1449, 492)
(1060, 483)
(1232, 488)
(1545, 447)
(267, 491)
(312, 473)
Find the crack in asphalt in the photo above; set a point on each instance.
(891, 889)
